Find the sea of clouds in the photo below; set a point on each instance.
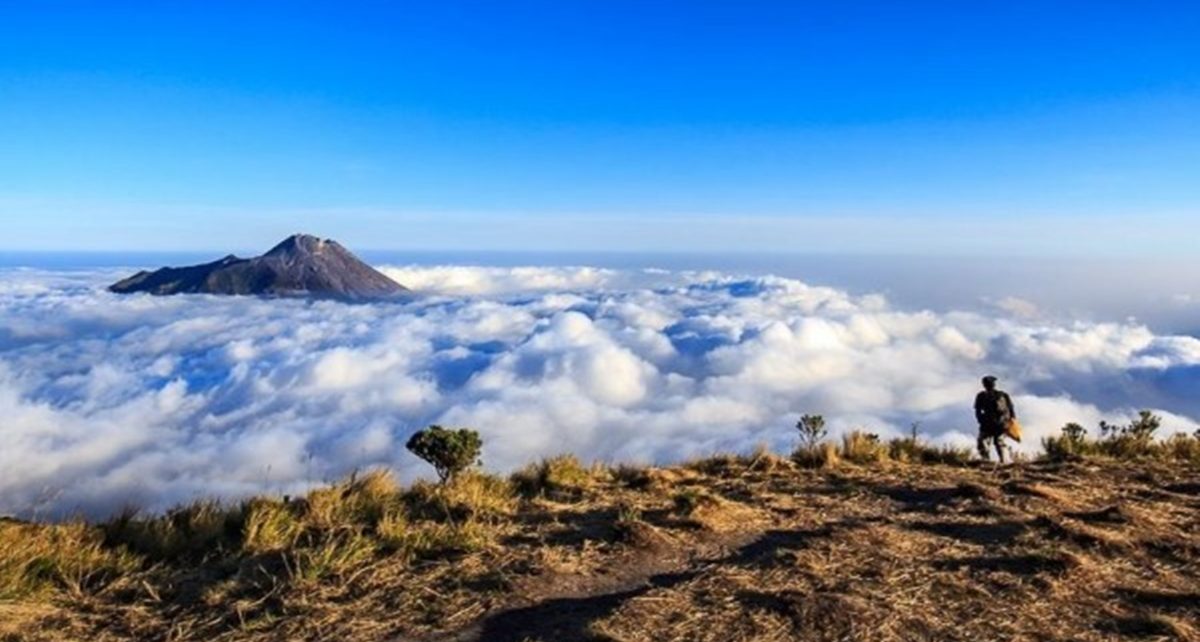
(110, 401)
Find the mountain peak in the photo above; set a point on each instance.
(301, 243)
(301, 265)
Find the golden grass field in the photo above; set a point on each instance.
(856, 546)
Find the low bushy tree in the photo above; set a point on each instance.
(1071, 443)
(812, 431)
(449, 451)
(813, 451)
(1074, 433)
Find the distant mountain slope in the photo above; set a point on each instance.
(301, 265)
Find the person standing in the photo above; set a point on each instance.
(994, 410)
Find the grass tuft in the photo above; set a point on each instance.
(193, 531)
(270, 525)
(71, 557)
(863, 448)
(909, 450)
(822, 455)
(561, 478)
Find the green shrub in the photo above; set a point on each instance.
(450, 452)
(1132, 440)
(1072, 443)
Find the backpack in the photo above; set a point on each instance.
(995, 406)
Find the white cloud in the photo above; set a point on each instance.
(1017, 307)
(108, 400)
(466, 280)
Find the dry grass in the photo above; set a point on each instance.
(193, 531)
(70, 557)
(749, 547)
(910, 450)
(824, 455)
(561, 478)
(863, 448)
(1178, 447)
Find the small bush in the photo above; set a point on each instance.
(1072, 443)
(1182, 447)
(863, 448)
(450, 452)
(823, 455)
(560, 478)
(906, 450)
(813, 451)
(1132, 440)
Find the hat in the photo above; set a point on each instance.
(989, 379)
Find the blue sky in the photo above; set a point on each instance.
(927, 128)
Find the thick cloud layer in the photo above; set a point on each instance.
(107, 400)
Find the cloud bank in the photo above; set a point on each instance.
(108, 401)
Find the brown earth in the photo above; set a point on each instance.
(731, 549)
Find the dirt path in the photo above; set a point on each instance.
(563, 606)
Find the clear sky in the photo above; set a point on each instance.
(945, 127)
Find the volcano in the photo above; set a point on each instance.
(302, 265)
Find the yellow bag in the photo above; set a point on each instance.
(1013, 429)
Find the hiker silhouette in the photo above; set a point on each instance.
(994, 410)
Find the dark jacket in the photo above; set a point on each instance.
(993, 410)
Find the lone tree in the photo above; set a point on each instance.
(449, 451)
